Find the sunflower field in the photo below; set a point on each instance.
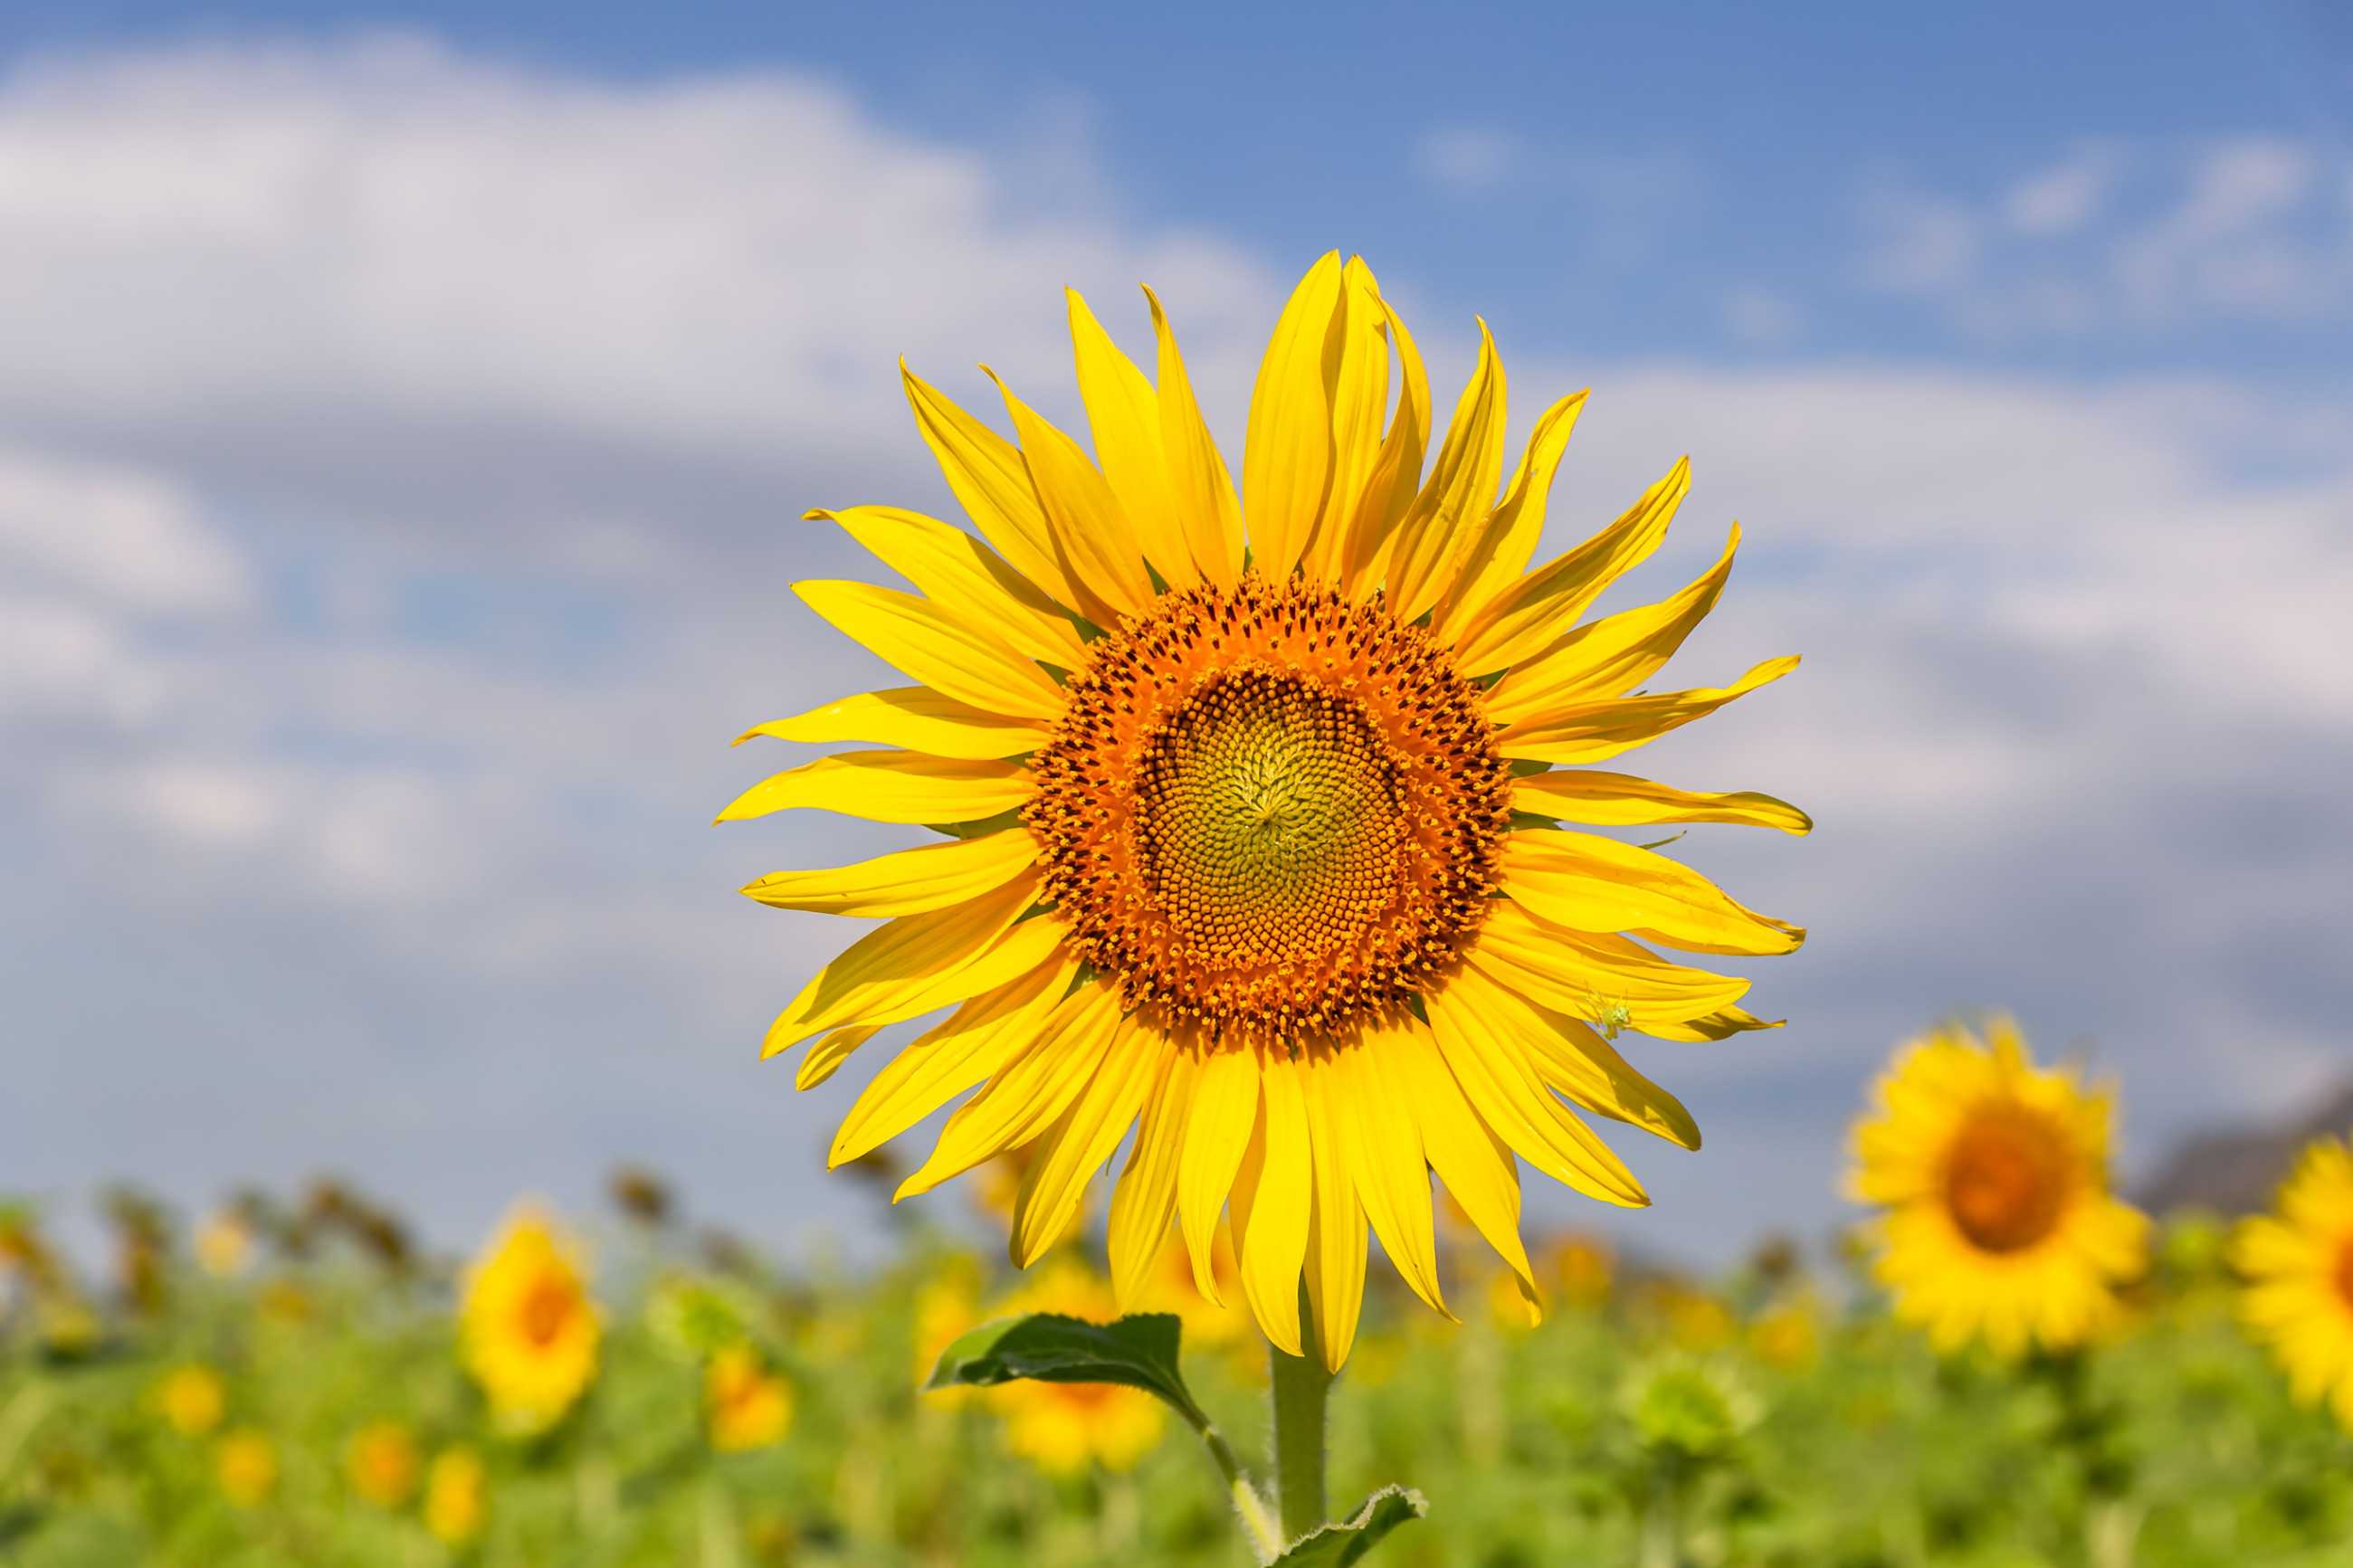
(292, 1385)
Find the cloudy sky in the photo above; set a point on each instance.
(404, 419)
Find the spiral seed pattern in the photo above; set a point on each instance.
(1269, 810)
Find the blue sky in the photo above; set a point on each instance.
(406, 412)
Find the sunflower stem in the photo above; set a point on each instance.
(1301, 1385)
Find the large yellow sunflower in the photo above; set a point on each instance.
(1253, 838)
(2299, 1268)
(1993, 1173)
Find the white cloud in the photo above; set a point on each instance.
(2244, 230)
(1469, 158)
(2067, 197)
(491, 397)
(1760, 317)
(128, 538)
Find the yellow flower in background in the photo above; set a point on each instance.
(381, 1464)
(527, 1328)
(1256, 843)
(245, 1464)
(746, 1406)
(1063, 1427)
(947, 1304)
(224, 1246)
(1788, 1335)
(1580, 1269)
(193, 1399)
(1992, 1174)
(2298, 1263)
(457, 1496)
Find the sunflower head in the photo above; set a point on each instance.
(457, 1496)
(381, 1464)
(1992, 1176)
(2297, 1262)
(1254, 807)
(527, 1329)
(193, 1399)
(245, 1464)
(746, 1404)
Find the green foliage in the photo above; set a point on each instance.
(1138, 1352)
(1338, 1545)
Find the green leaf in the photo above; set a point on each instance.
(1337, 1545)
(1138, 1351)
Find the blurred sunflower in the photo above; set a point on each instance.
(746, 1406)
(1063, 1427)
(1253, 838)
(527, 1331)
(381, 1464)
(457, 1496)
(1993, 1177)
(193, 1399)
(245, 1464)
(2298, 1263)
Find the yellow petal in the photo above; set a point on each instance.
(1078, 1145)
(1198, 480)
(1145, 1199)
(1594, 975)
(1574, 1061)
(1475, 1165)
(914, 717)
(919, 963)
(825, 1057)
(1123, 413)
(967, 1048)
(1509, 540)
(1275, 1189)
(1525, 614)
(889, 787)
(1720, 1024)
(1502, 1086)
(965, 576)
(1335, 1238)
(1091, 536)
(1589, 883)
(1359, 376)
(1605, 657)
(1621, 800)
(1596, 731)
(1389, 494)
(1287, 452)
(907, 883)
(1374, 1112)
(1030, 1094)
(992, 483)
(1437, 535)
(931, 646)
(1217, 1131)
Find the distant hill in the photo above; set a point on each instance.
(2236, 1170)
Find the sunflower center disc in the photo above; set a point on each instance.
(1269, 810)
(2007, 1180)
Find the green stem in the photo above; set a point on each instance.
(1299, 1386)
(1265, 1539)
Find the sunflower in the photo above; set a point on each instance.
(1993, 1174)
(2298, 1265)
(193, 1399)
(527, 1329)
(1253, 838)
(381, 1463)
(457, 1496)
(746, 1406)
(246, 1463)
